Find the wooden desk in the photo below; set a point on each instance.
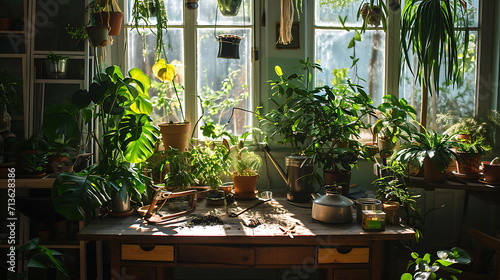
(340, 250)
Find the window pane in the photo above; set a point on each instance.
(332, 53)
(174, 52)
(455, 102)
(472, 11)
(208, 8)
(173, 8)
(328, 12)
(224, 83)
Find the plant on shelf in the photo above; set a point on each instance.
(124, 136)
(469, 154)
(9, 101)
(426, 269)
(174, 134)
(394, 121)
(428, 31)
(429, 149)
(142, 12)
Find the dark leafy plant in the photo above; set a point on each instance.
(438, 147)
(425, 270)
(55, 58)
(209, 162)
(229, 7)
(124, 136)
(9, 87)
(467, 146)
(395, 119)
(38, 256)
(428, 30)
(179, 174)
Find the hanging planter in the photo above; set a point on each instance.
(108, 13)
(229, 46)
(98, 35)
(229, 8)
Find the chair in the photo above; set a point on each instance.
(484, 241)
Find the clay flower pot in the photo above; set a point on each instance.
(491, 172)
(175, 135)
(432, 174)
(98, 35)
(340, 179)
(115, 21)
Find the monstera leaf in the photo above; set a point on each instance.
(137, 137)
(76, 195)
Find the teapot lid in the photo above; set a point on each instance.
(333, 198)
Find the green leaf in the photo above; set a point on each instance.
(137, 137)
(278, 71)
(406, 276)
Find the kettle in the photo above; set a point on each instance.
(299, 189)
(332, 207)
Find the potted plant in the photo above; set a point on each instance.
(246, 166)
(56, 65)
(124, 137)
(9, 102)
(5, 16)
(394, 118)
(107, 13)
(208, 162)
(427, 30)
(77, 33)
(431, 150)
(142, 12)
(178, 176)
(469, 157)
(229, 8)
(174, 134)
(98, 34)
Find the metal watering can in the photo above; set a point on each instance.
(299, 189)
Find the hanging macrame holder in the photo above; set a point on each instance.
(229, 45)
(286, 22)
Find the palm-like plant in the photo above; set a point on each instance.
(428, 31)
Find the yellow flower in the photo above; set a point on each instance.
(163, 71)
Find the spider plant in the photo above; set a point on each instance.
(429, 31)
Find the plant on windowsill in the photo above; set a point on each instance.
(120, 107)
(469, 157)
(174, 134)
(428, 31)
(429, 149)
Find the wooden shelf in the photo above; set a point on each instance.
(44, 183)
(58, 81)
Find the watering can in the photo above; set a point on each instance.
(299, 189)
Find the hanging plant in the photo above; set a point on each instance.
(229, 8)
(142, 11)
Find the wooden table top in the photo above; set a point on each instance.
(272, 215)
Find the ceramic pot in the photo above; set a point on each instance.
(175, 135)
(432, 174)
(98, 35)
(115, 21)
(231, 8)
(391, 209)
(56, 69)
(468, 165)
(229, 46)
(215, 197)
(118, 205)
(491, 172)
(53, 162)
(4, 24)
(339, 179)
(244, 186)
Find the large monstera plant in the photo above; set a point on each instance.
(124, 136)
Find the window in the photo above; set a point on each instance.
(331, 50)
(207, 85)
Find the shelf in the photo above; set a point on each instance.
(12, 55)
(45, 183)
(70, 54)
(7, 32)
(57, 81)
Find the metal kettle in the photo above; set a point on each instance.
(332, 207)
(299, 189)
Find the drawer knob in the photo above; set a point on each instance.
(245, 259)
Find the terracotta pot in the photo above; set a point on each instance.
(53, 162)
(340, 179)
(432, 174)
(468, 165)
(391, 209)
(491, 172)
(463, 136)
(4, 24)
(115, 21)
(244, 184)
(175, 135)
(98, 35)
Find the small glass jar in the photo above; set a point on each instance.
(391, 209)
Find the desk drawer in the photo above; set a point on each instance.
(216, 254)
(134, 252)
(343, 255)
(283, 255)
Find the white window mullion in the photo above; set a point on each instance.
(190, 74)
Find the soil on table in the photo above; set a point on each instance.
(207, 220)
